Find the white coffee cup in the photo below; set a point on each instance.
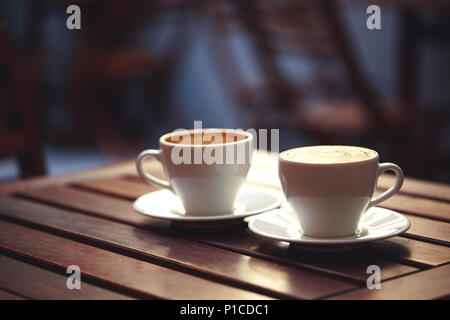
(328, 199)
(205, 184)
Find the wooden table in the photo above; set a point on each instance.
(86, 219)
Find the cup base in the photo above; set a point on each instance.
(328, 236)
(359, 232)
(208, 214)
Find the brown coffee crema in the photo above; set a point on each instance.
(205, 138)
(328, 154)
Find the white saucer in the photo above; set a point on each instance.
(163, 204)
(376, 224)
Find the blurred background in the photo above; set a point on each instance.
(76, 99)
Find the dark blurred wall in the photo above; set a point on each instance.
(197, 92)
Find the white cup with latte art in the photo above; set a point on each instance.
(330, 187)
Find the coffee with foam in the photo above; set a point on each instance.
(328, 154)
(208, 137)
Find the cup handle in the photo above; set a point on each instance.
(382, 168)
(151, 153)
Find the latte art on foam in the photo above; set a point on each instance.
(328, 154)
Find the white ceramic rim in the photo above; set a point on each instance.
(376, 157)
(162, 139)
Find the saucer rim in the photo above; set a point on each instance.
(276, 204)
(314, 241)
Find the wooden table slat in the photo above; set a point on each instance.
(417, 187)
(418, 206)
(37, 283)
(5, 295)
(429, 284)
(119, 187)
(353, 267)
(412, 251)
(175, 251)
(430, 230)
(125, 273)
